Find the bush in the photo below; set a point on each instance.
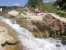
(61, 13)
(64, 6)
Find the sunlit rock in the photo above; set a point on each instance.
(13, 13)
(8, 38)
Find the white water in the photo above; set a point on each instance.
(31, 43)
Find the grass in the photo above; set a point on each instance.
(61, 13)
(49, 8)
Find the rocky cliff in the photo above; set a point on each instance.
(48, 26)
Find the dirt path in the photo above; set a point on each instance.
(58, 17)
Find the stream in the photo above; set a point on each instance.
(29, 42)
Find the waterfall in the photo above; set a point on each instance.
(29, 42)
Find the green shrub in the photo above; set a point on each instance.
(61, 13)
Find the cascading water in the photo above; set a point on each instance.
(31, 43)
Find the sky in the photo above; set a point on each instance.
(46, 1)
(13, 2)
(18, 2)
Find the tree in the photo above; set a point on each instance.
(61, 4)
(34, 3)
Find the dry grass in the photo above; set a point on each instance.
(41, 34)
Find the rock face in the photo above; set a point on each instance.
(48, 26)
(8, 38)
(53, 26)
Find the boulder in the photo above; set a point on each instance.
(8, 38)
(13, 13)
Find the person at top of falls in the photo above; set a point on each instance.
(38, 12)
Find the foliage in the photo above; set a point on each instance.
(64, 6)
(49, 8)
(61, 13)
(61, 4)
(34, 3)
